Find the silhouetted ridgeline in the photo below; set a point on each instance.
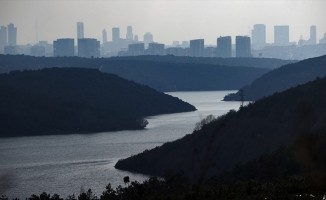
(166, 77)
(21, 62)
(269, 63)
(282, 78)
(239, 137)
(75, 100)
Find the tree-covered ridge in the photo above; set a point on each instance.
(76, 100)
(238, 137)
(269, 63)
(167, 77)
(282, 78)
(10, 63)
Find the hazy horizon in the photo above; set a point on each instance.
(170, 20)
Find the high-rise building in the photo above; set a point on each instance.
(136, 49)
(224, 47)
(3, 38)
(64, 47)
(258, 36)
(115, 34)
(129, 35)
(313, 35)
(155, 49)
(105, 36)
(243, 46)
(88, 47)
(281, 35)
(196, 48)
(80, 30)
(12, 34)
(148, 38)
(136, 38)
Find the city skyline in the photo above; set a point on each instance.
(155, 17)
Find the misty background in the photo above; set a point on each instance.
(167, 20)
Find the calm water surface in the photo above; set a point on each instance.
(67, 164)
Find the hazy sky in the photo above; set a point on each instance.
(167, 20)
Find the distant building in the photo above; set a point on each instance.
(196, 48)
(48, 48)
(136, 49)
(129, 35)
(63, 47)
(281, 35)
(313, 35)
(185, 44)
(312, 40)
(176, 51)
(258, 36)
(12, 35)
(136, 38)
(224, 47)
(12, 50)
(243, 46)
(175, 44)
(88, 48)
(105, 36)
(37, 50)
(115, 34)
(80, 30)
(148, 38)
(323, 40)
(155, 49)
(3, 38)
(210, 52)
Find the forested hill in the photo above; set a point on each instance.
(21, 62)
(269, 63)
(166, 77)
(282, 78)
(76, 100)
(238, 137)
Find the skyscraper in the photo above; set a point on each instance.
(313, 35)
(88, 47)
(224, 47)
(3, 38)
(148, 38)
(115, 34)
(258, 35)
(12, 34)
(80, 30)
(129, 35)
(105, 36)
(196, 48)
(281, 35)
(64, 47)
(243, 46)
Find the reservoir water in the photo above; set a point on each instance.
(68, 164)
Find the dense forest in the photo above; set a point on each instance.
(282, 78)
(167, 77)
(76, 100)
(269, 63)
(217, 145)
(9, 63)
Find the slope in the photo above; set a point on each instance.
(238, 137)
(167, 77)
(75, 100)
(282, 78)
